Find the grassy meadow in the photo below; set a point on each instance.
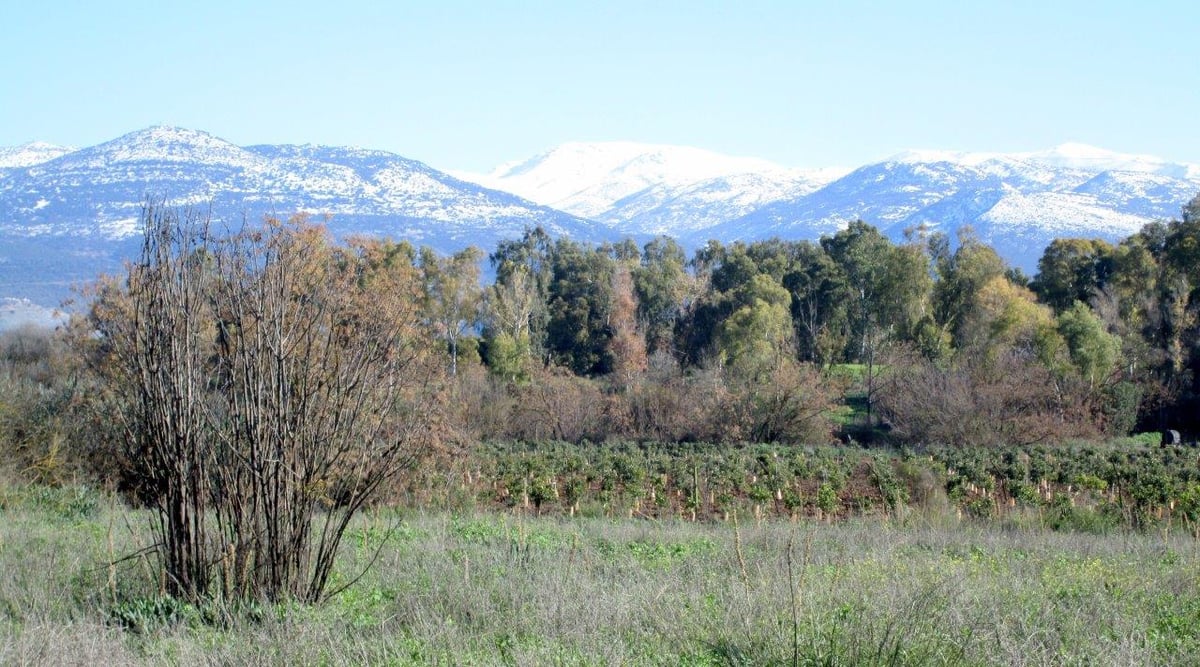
(503, 587)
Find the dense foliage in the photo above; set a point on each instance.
(947, 343)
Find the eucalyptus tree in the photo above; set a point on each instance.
(820, 296)
(1073, 269)
(452, 296)
(961, 275)
(579, 304)
(662, 285)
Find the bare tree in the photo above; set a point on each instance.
(153, 338)
(275, 382)
(627, 346)
(327, 377)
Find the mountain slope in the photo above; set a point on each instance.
(586, 178)
(1019, 202)
(27, 155)
(77, 212)
(643, 189)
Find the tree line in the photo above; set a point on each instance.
(941, 339)
(931, 340)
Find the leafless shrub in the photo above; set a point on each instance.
(1009, 399)
(791, 404)
(154, 340)
(669, 405)
(557, 405)
(268, 385)
(481, 405)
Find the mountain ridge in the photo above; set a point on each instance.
(64, 219)
(1018, 200)
(67, 213)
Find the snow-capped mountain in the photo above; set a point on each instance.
(64, 218)
(66, 214)
(100, 190)
(1018, 202)
(646, 189)
(693, 207)
(587, 178)
(27, 155)
(1091, 159)
(17, 313)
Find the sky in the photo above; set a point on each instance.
(469, 85)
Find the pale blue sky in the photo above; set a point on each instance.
(466, 85)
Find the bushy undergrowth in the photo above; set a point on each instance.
(505, 588)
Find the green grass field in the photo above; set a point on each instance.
(503, 588)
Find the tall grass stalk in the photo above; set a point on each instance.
(483, 589)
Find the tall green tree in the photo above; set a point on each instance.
(452, 296)
(961, 275)
(1072, 270)
(905, 289)
(888, 292)
(533, 256)
(757, 335)
(1093, 351)
(661, 284)
(715, 278)
(861, 252)
(580, 297)
(509, 312)
(820, 296)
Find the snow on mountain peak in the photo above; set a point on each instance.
(1077, 151)
(924, 156)
(1016, 200)
(30, 154)
(1063, 214)
(1092, 159)
(1069, 156)
(72, 217)
(588, 178)
(164, 143)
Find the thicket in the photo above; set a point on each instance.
(931, 341)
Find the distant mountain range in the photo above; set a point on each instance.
(642, 189)
(67, 214)
(1018, 202)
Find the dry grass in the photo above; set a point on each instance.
(504, 589)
